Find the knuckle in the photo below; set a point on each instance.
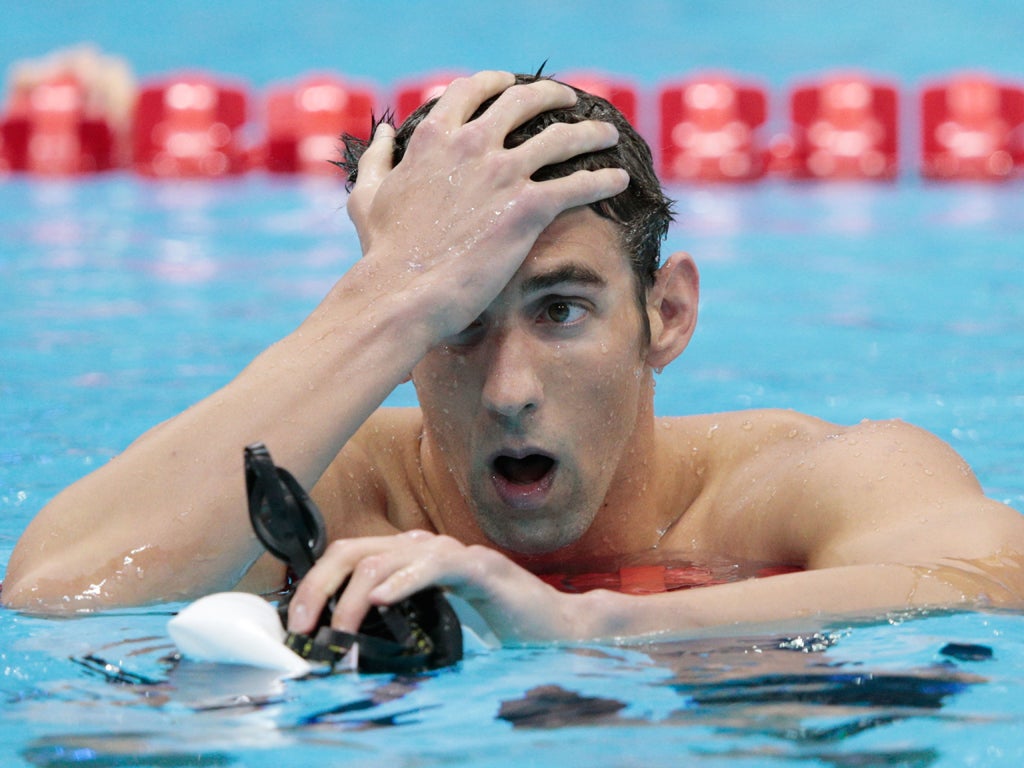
(445, 541)
(474, 135)
(462, 82)
(429, 129)
(505, 168)
(417, 534)
(336, 549)
(486, 556)
(369, 566)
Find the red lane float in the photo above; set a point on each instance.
(47, 131)
(844, 127)
(412, 93)
(841, 126)
(190, 126)
(304, 122)
(972, 127)
(709, 128)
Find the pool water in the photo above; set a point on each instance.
(123, 301)
(100, 691)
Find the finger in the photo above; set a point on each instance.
(353, 603)
(464, 95)
(563, 141)
(376, 159)
(523, 102)
(580, 188)
(324, 579)
(374, 166)
(373, 569)
(442, 562)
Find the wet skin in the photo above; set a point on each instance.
(537, 409)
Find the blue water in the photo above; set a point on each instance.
(122, 302)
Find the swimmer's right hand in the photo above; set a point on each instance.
(452, 222)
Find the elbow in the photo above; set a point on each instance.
(16, 592)
(39, 589)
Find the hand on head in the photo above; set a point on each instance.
(454, 220)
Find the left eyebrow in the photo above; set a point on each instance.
(566, 273)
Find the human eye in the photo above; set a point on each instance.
(564, 312)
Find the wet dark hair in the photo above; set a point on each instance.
(642, 211)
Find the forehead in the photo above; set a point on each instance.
(580, 238)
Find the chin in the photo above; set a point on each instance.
(534, 539)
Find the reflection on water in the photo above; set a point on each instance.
(863, 695)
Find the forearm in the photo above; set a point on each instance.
(167, 518)
(795, 601)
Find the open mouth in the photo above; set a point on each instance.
(526, 471)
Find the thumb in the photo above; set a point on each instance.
(374, 166)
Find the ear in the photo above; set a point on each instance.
(672, 309)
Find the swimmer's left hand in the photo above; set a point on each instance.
(517, 605)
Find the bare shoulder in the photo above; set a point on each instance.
(796, 457)
(379, 465)
(389, 430)
(727, 439)
(784, 438)
(782, 485)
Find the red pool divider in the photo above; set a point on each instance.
(190, 125)
(410, 94)
(972, 127)
(305, 119)
(709, 129)
(844, 126)
(48, 131)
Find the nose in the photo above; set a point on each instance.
(512, 388)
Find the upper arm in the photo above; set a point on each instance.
(888, 492)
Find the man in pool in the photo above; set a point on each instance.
(510, 268)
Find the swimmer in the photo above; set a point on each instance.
(510, 236)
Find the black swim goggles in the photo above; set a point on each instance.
(419, 633)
